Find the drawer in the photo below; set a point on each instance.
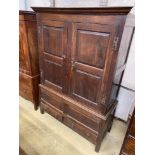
(26, 93)
(52, 99)
(80, 129)
(25, 81)
(83, 117)
(52, 111)
(129, 147)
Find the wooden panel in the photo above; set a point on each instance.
(33, 46)
(53, 73)
(25, 86)
(24, 64)
(53, 40)
(91, 47)
(81, 90)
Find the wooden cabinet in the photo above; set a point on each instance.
(28, 57)
(128, 147)
(78, 57)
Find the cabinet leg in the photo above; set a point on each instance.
(35, 107)
(97, 147)
(110, 126)
(41, 110)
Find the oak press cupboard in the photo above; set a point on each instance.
(28, 57)
(79, 69)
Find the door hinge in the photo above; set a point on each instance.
(115, 44)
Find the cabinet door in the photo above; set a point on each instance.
(91, 47)
(53, 54)
(24, 65)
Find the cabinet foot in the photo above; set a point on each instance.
(97, 147)
(41, 110)
(109, 129)
(35, 107)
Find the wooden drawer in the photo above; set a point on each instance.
(129, 147)
(25, 81)
(81, 129)
(52, 111)
(83, 117)
(26, 93)
(52, 99)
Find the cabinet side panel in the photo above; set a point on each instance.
(122, 55)
(33, 45)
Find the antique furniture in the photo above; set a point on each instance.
(28, 57)
(78, 50)
(128, 147)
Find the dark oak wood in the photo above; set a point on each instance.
(78, 55)
(85, 10)
(124, 49)
(28, 57)
(128, 146)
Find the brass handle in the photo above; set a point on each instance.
(115, 43)
(64, 56)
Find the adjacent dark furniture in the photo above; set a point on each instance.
(78, 50)
(128, 147)
(28, 57)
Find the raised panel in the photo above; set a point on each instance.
(53, 40)
(86, 86)
(24, 65)
(91, 47)
(53, 73)
(33, 46)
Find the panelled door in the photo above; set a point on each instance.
(90, 46)
(54, 44)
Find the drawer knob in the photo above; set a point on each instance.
(88, 134)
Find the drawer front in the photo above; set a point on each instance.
(26, 93)
(129, 147)
(52, 99)
(25, 81)
(53, 111)
(83, 118)
(81, 129)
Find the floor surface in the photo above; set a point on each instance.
(44, 135)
